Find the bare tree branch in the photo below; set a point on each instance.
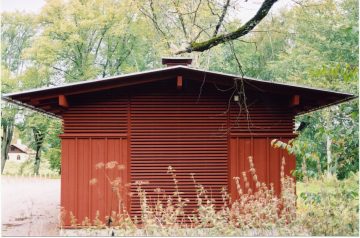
(211, 9)
(221, 18)
(202, 30)
(181, 19)
(195, 12)
(153, 18)
(243, 30)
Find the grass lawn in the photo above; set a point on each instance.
(27, 168)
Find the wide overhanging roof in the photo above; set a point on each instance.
(310, 98)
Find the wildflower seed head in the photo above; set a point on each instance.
(99, 165)
(111, 164)
(93, 181)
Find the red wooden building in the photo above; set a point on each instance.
(197, 121)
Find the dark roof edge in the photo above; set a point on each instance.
(170, 68)
(277, 83)
(328, 105)
(94, 80)
(7, 99)
(15, 145)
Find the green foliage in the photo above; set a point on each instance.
(87, 39)
(16, 32)
(54, 156)
(330, 207)
(316, 45)
(53, 144)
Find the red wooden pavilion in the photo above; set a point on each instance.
(196, 121)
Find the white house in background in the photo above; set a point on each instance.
(19, 152)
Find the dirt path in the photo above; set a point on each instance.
(30, 206)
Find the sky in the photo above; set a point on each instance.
(34, 6)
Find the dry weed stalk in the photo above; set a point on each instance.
(258, 208)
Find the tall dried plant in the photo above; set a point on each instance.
(256, 210)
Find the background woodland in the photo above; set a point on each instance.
(311, 42)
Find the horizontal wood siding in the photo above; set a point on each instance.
(261, 117)
(178, 131)
(98, 115)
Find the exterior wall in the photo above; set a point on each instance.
(155, 126)
(252, 128)
(95, 133)
(85, 179)
(267, 161)
(14, 157)
(190, 136)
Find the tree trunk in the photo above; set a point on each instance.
(329, 159)
(8, 129)
(328, 156)
(37, 161)
(39, 139)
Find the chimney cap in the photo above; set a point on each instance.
(172, 61)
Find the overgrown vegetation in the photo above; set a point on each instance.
(256, 211)
(328, 206)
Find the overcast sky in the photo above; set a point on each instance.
(250, 7)
(22, 5)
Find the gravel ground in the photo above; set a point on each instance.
(30, 206)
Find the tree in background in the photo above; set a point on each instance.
(17, 29)
(196, 26)
(53, 145)
(88, 39)
(39, 131)
(313, 43)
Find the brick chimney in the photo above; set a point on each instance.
(168, 61)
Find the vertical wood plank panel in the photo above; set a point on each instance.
(98, 152)
(290, 161)
(83, 178)
(260, 157)
(267, 160)
(79, 159)
(72, 177)
(124, 160)
(274, 167)
(233, 159)
(65, 195)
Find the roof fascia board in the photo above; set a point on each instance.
(92, 81)
(10, 100)
(232, 76)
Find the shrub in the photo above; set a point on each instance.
(256, 211)
(333, 208)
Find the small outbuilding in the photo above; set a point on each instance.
(196, 121)
(18, 153)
